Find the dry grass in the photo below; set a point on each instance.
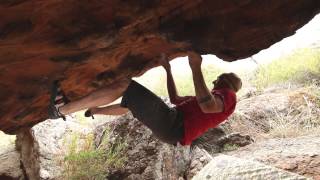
(249, 125)
(301, 118)
(293, 113)
(83, 161)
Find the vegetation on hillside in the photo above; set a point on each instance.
(302, 67)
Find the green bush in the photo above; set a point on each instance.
(84, 161)
(300, 67)
(230, 147)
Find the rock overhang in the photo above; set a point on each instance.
(88, 45)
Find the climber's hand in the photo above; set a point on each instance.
(195, 59)
(164, 61)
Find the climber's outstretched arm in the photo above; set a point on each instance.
(207, 102)
(171, 86)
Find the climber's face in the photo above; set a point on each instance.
(218, 82)
(228, 80)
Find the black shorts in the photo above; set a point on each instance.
(165, 122)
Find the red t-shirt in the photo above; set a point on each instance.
(197, 122)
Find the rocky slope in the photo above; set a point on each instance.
(299, 155)
(41, 149)
(227, 167)
(10, 165)
(145, 157)
(87, 45)
(148, 158)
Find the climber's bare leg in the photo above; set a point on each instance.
(99, 97)
(115, 109)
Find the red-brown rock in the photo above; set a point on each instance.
(89, 44)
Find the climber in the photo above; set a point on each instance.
(191, 117)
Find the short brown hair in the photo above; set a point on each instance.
(232, 80)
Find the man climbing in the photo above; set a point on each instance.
(192, 116)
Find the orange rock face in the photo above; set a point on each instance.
(89, 44)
